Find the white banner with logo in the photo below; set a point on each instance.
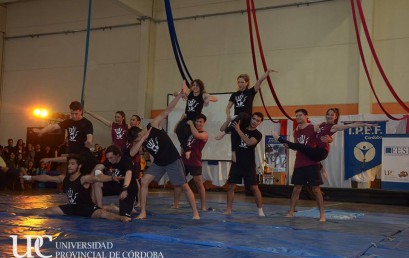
(395, 162)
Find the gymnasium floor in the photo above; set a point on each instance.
(351, 230)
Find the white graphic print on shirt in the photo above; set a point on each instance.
(190, 141)
(153, 145)
(242, 143)
(119, 132)
(191, 105)
(71, 196)
(240, 100)
(116, 172)
(73, 133)
(303, 139)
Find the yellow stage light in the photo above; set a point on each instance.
(44, 113)
(40, 112)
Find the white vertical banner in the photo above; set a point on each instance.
(395, 162)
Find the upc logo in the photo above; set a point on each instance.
(39, 241)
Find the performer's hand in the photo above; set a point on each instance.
(190, 122)
(146, 135)
(236, 126)
(123, 194)
(118, 178)
(269, 70)
(37, 131)
(326, 138)
(184, 88)
(88, 144)
(371, 125)
(45, 160)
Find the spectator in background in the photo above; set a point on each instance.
(9, 148)
(38, 155)
(48, 153)
(97, 151)
(19, 148)
(42, 170)
(29, 153)
(12, 173)
(30, 169)
(1, 151)
(62, 148)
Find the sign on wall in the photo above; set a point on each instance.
(395, 162)
(363, 148)
(275, 154)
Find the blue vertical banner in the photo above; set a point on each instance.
(363, 148)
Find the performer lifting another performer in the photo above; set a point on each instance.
(166, 158)
(196, 100)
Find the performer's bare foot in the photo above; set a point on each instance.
(141, 216)
(289, 215)
(125, 219)
(174, 206)
(227, 212)
(322, 218)
(204, 208)
(196, 215)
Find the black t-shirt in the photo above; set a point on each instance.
(76, 192)
(246, 155)
(161, 147)
(243, 101)
(194, 105)
(136, 161)
(119, 169)
(77, 133)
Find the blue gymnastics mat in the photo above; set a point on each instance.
(172, 233)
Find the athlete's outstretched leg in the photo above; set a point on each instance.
(315, 153)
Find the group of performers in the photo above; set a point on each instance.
(87, 181)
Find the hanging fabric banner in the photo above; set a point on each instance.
(407, 123)
(363, 148)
